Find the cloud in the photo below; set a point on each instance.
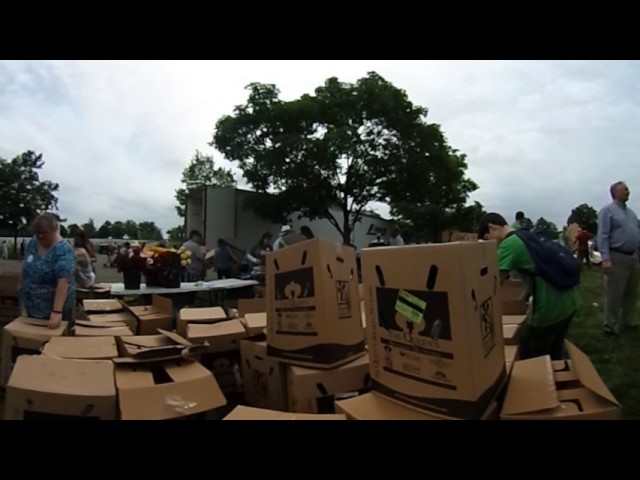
(542, 137)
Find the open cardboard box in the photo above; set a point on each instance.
(82, 348)
(206, 315)
(45, 388)
(123, 317)
(248, 413)
(152, 317)
(151, 348)
(540, 389)
(25, 336)
(166, 390)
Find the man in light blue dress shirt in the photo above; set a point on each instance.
(618, 242)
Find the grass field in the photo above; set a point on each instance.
(616, 358)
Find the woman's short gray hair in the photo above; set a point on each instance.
(46, 221)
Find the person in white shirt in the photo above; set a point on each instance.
(396, 238)
(4, 250)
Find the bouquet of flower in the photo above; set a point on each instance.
(165, 266)
(132, 264)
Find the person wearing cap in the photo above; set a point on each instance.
(288, 237)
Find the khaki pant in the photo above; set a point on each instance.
(621, 291)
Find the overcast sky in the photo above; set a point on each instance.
(541, 137)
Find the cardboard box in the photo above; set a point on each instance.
(251, 305)
(511, 334)
(222, 356)
(313, 312)
(372, 406)
(199, 315)
(47, 388)
(314, 391)
(434, 326)
(161, 391)
(82, 348)
(152, 317)
(254, 323)
(264, 378)
(511, 354)
(102, 306)
(25, 336)
(248, 413)
(154, 348)
(540, 389)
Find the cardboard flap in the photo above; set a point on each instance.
(372, 406)
(111, 317)
(147, 341)
(228, 327)
(250, 413)
(175, 338)
(108, 305)
(127, 377)
(82, 331)
(256, 320)
(208, 314)
(513, 319)
(162, 304)
(103, 324)
(588, 374)
(34, 329)
(531, 387)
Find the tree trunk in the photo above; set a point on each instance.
(346, 227)
(15, 241)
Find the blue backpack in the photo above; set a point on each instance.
(554, 263)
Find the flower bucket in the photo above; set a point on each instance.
(132, 280)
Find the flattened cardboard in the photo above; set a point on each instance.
(313, 391)
(264, 378)
(254, 323)
(162, 391)
(46, 386)
(251, 305)
(102, 305)
(249, 413)
(25, 336)
(104, 331)
(434, 326)
(571, 390)
(313, 312)
(82, 348)
(103, 324)
(122, 317)
(199, 315)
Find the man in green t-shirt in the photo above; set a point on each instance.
(545, 329)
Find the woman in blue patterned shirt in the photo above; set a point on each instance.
(48, 287)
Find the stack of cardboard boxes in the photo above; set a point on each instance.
(441, 342)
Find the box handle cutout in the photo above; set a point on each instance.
(339, 259)
(271, 370)
(322, 389)
(432, 277)
(484, 271)
(276, 264)
(160, 375)
(304, 258)
(367, 380)
(329, 270)
(474, 298)
(380, 276)
(246, 360)
(258, 357)
(351, 272)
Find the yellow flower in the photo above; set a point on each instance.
(188, 253)
(183, 263)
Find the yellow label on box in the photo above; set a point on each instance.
(413, 312)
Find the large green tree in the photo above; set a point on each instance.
(89, 228)
(431, 190)
(336, 149)
(24, 195)
(545, 226)
(200, 172)
(149, 231)
(586, 216)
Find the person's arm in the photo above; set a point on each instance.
(64, 270)
(508, 259)
(604, 234)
